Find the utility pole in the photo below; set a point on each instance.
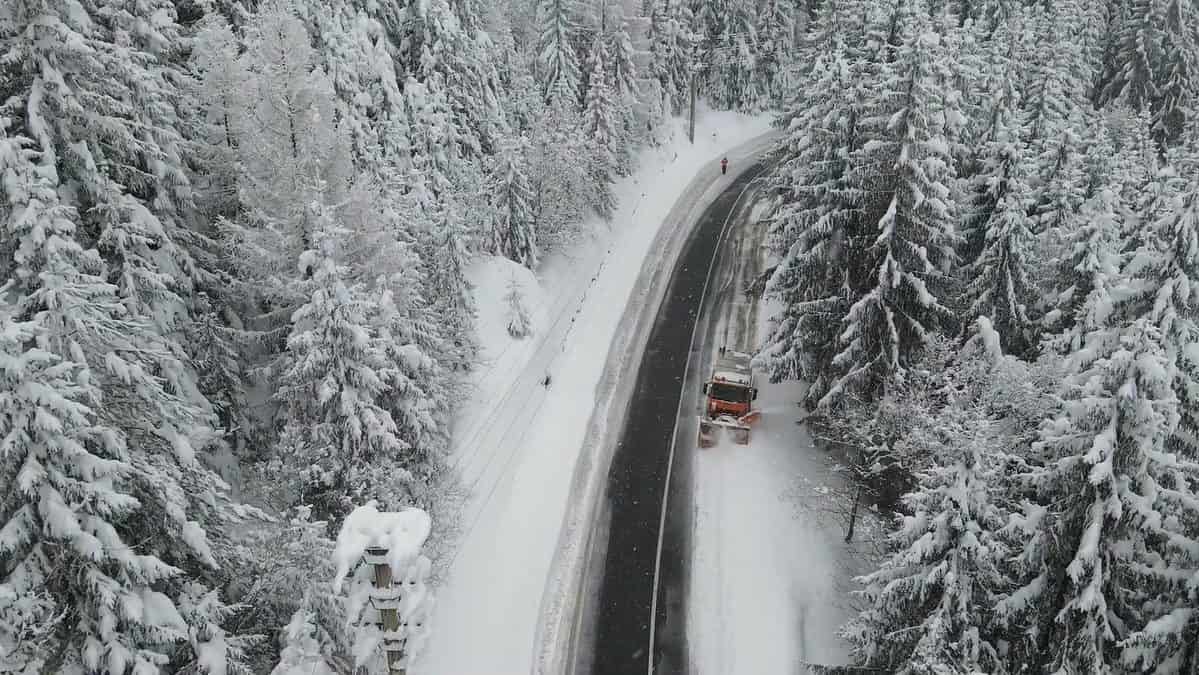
(693, 88)
(694, 85)
(386, 598)
(398, 599)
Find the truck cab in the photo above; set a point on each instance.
(729, 394)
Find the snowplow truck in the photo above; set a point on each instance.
(729, 395)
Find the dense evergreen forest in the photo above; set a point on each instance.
(989, 246)
(234, 304)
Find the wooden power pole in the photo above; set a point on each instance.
(384, 550)
(691, 116)
(386, 596)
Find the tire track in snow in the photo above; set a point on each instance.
(468, 450)
(519, 399)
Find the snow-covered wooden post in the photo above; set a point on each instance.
(390, 545)
(386, 598)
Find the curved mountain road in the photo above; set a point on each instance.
(633, 564)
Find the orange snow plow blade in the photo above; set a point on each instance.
(710, 429)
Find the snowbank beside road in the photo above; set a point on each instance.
(517, 443)
(772, 508)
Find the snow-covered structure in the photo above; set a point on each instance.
(387, 595)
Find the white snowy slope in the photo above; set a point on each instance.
(517, 442)
(770, 571)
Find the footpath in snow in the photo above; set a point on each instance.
(517, 442)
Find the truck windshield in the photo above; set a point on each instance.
(728, 392)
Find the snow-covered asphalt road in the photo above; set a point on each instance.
(533, 458)
(641, 465)
(752, 575)
(768, 571)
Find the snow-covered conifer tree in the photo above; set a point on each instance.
(1097, 521)
(448, 50)
(928, 608)
(1001, 285)
(1168, 259)
(621, 67)
(68, 503)
(671, 51)
(558, 64)
(445, 256)
(512, 233)
(302, 654)
(337, 429)
(1054, 113)
(95, 190)
(733, 70)
(996, 130)
(518, 317)
(1155, 63)
(774, 31)
(288, 106)
(903, 176)
(219, 78)
(1093, 260)
(601, 131)
(815, 229)
(559, 178)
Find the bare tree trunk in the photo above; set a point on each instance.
(853, 515)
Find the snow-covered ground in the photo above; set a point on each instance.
(517, 442)
(770, 572)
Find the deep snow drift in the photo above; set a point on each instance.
(517, 441)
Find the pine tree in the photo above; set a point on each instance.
(219, 78)
(85, 168)
(621, 63)
(1171, 260)
(408, 334)
(774, 30)
(336, 428)
(621, 68)
(903, 177)
(64, 511)
(1001, 285)
(671, 51)
(518, 317)
(445, 257)
(456, 56)
(601, 132)
(928, 606)
(816, 227)
(288, 106)
(1168, 259)
(733, 80)
(559, 158)
(996, 133)
(512, 233)
(1097, 520)
(558, 64)
(1155, 64)
(214, 355)
(1055, 109)
(1092, 262)
(302, 653)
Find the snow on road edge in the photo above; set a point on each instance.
(521, 442)
(563, 591)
